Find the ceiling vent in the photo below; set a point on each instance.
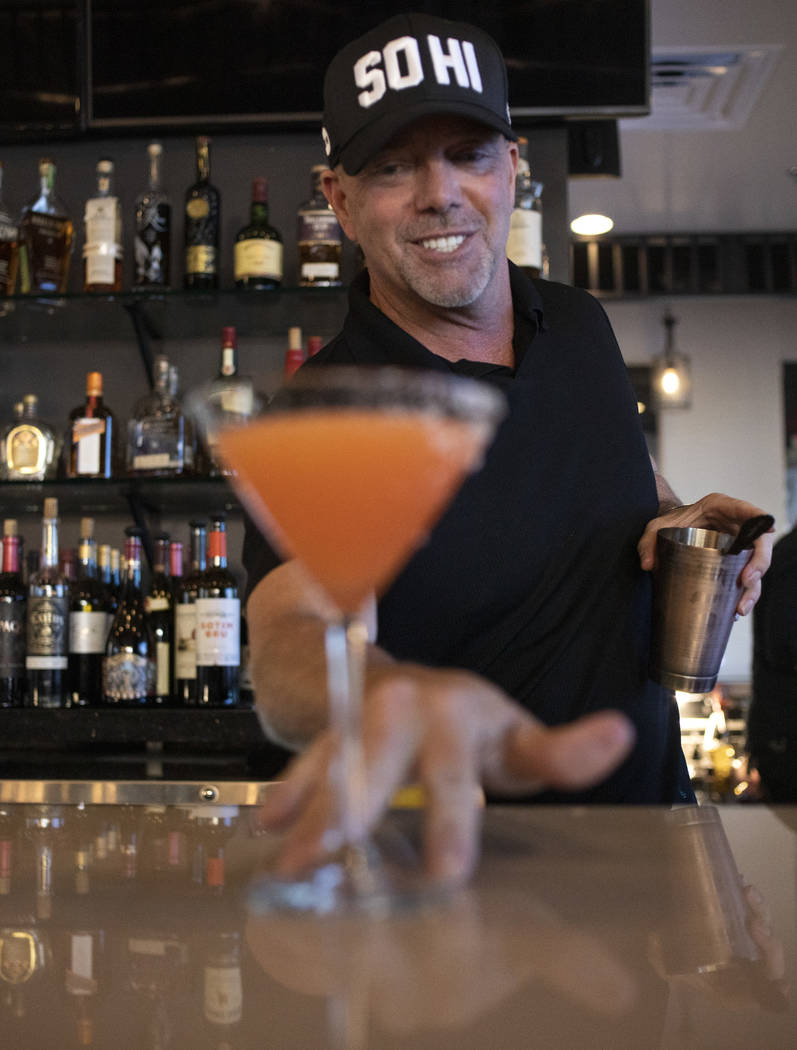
(705, 88)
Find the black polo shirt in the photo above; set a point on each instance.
(532, 577)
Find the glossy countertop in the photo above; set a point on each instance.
(140, 927)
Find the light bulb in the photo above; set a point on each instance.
(591, 225)
(670, 381)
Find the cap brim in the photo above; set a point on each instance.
(370, 140)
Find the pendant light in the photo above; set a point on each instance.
(671, 380)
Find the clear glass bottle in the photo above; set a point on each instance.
(9, 246)
(129, 670)
(258, 246)
(153, 228)
(202, 224)
(92, 438)
(13, 603)
(232, 392)
(185, 624)
(156, 442)
(159, 605)
(89, 610)
(524, 246)
(28, 445)
(46, 659)
(319, 238)
(46, 232)
(218, 625)
(102, 224)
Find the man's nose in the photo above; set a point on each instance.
(437, 186)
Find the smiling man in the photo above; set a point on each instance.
(511, 654)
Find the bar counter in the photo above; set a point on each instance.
(133, 925)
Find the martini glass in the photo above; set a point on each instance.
(348, 469)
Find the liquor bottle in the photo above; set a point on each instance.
(232, 393)
(202, 224)
(13, 603)
(46, 659)
(44, 827)
(185, 625)
(102, 221)
(218, 625)
(159, 604)
(246, 684)
(9, 247)
(29, 445)
(91, 443)
(157, 430)
(152, 244)
(222, 1007)
(294, 355)
(211, 828)
(46, 230)
(89, 608)
(9, 826)
(524, 244)
(258, 246)
(129, 668)
(85, 951)
(319, 237)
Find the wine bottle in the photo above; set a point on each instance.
(88, 623)
(218, 625)
(202, 224)
(258, 246)
(294, 355)
(13, 604)
(185, 684)
(159, 604)
(92, 438)
(129, 668)
(47, 656)
(152, 246)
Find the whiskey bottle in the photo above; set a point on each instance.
(28, 445)
(153, 228)
(185, 625)
(202, 224)
(46, 230)
(129, 670)
(91, 443)
(102, 249)
(524, 244)
(13, 600)
(89, 609)
(258, 246)
(319, 238)
(9, 247)
(47, 633)
(159, 605)
(157, 430)
(218, 625)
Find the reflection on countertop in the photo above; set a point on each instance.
(141, 928)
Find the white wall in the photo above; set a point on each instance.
(732, 438)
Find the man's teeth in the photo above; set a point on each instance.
(444, 244)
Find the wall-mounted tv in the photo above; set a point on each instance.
(234, 63)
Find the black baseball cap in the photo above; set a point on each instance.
(410, 66)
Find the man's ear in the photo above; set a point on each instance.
(333, 185)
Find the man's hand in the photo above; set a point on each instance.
(453, 732)
(724, 514)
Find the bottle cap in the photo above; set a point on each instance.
(259, 190)
(154, 149)
(87, 528)
(94, 384)
(314, 344)
(229, 336)
(51, 507)
(295, 338)
(105, 166)
(10, 527)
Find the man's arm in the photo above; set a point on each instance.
(667, 498)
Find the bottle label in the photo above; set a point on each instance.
(258, 258)
(48, 632)
(158, 444)
(185, 641)
(12, 639)
(223, 994)
(44, 254)
(87, 436)
(524, 243)
(218, 632)
(151, 244)
(318, 227)
(26, 452)
(101, 219)
(128, 676)
(100, 264)
(317, 271)
(88, 632)
(162, 669)
(156, 603)
(200, 258)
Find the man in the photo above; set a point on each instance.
(529, 606)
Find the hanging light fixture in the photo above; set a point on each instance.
(671, 380)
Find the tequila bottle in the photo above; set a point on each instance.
(202, 223)
(46, 230)
(152, 247)
(102, 251)
(157, 430)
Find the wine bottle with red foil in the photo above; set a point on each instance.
(13, 604)
(47, 656)
(89, 610)
(218, 625)
(185, 684)
(129, 669)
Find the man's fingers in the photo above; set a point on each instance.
(286, 798)
(570, 756)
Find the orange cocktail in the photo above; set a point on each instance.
(350, 492)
